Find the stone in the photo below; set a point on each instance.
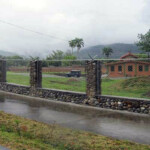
(93, 78)
(142, 108)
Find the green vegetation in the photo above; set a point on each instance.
(133, 87)
(72, 84)
(54, 59)
(119, 49)
(24, 134)
(141, 55)
(77, 42)
(18, 79)
(72, 44)
(143, 43)
(107, 51)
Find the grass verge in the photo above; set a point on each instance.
(24, 134)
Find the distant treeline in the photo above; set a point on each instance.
(54, 59)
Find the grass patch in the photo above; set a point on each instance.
(57, 73)
(17, 78)
(24, 134)
(135, 87)
(138, 82)
(72, 84)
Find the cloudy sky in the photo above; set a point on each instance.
(96, 21)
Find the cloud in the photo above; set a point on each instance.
(96, 21)
(146, 13)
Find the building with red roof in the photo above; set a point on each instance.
(128, 66)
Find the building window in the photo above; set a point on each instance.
(140, 68)
(119, 68)
(146, 68)
(130, 68)
(112, 68)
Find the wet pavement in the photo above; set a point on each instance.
(131, 127)
(3, 148)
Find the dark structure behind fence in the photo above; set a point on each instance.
(36, 74)
(93, 69)
(2, 71)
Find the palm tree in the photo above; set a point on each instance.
(79, 43)
(107, 51)
(72, 44)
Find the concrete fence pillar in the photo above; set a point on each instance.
(2, 71)
(93, 77)
(36, 74)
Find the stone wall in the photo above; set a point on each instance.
(15, 88)
(122, 103)
(91, 97)
(59, 95)
(108, 102)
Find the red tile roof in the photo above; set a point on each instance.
(127, 61)
(128, 54)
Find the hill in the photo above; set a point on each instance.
(6, 53)
(119, 49)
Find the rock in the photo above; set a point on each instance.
(142, 108)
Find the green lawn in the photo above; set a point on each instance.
(17, 133)
(109, 86)
(114, 87)
(18, 79)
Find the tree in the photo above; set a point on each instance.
(70, 59)
(107, 51)
(34, 58)
(16, 60)
(72, 44)
(144, 42)
(77, 42)
(56, 55)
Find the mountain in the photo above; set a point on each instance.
(6, 53)
(119, 49)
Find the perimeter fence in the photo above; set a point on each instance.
(122, 77)
(18, 71)
(64, 75)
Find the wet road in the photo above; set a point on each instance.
(48, 75)
(3, 148)
(132, 127)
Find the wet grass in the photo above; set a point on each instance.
(124, 87)
(134, 87)
(18, 133)
(17, 79)
(72, 84)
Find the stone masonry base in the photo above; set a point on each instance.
(108, 102)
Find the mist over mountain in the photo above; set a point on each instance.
(6, 53)
(119, 49)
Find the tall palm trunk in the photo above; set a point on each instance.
(78, 49)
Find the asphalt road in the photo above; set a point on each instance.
(3, 148)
